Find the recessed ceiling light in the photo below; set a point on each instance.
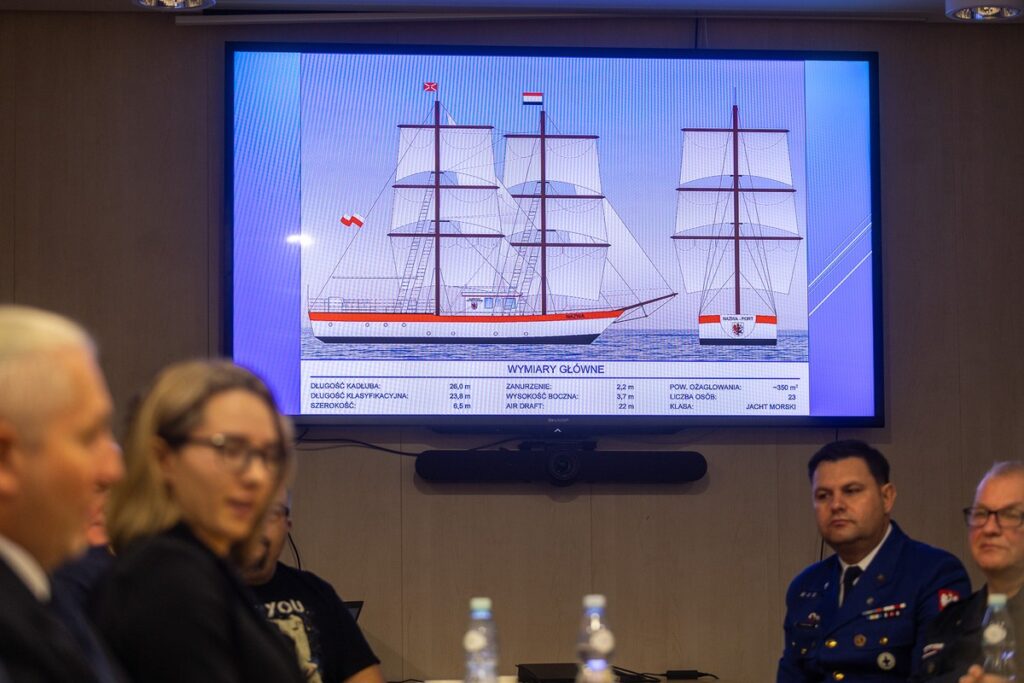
(964, 10)
(174, 5)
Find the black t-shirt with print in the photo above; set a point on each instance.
(329, 644)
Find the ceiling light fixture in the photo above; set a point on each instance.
(174, 5)
(965, 10)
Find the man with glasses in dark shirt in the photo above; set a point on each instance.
(329, 644)
(995, 531)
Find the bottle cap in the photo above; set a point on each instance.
(594, 601)
(997, 599)
(479, 604)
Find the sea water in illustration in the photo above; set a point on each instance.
(737, 237)
(538, 256)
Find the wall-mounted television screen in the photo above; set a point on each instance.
(523, 237)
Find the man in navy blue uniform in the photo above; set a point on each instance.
(860, 614)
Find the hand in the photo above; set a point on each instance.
(977, 675)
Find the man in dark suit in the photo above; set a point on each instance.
(860, 615)
(952, 650)
(56, 453)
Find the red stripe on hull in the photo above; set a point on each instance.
(488, 319)
(757, 319)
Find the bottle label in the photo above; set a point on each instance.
(602, 642)
(474, 641)
(994, 634)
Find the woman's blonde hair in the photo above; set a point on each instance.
(142, 504)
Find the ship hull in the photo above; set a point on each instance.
(738, 330)
(399, 328)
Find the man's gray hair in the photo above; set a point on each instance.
(1004, 467)
(30, 384)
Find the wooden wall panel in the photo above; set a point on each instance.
(681, 564)
(8, 163)
(110, 209)
(112, 184)
(919, 256)
(526, 546)
(347, 516)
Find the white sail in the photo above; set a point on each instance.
(708, 155)
(469, 210)
(766, 155)
(468, 262)
(709, 264)
(569, 161)
(467, 155)
(701, 210)
(581, 220)
(415, 152)
(630, 277)
(575, 271)
(470, 154)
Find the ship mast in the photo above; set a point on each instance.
(543, 215)
(437, 207)
(543, 136)
(736, 202)
(436, 126)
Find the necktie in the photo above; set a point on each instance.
(850, 576)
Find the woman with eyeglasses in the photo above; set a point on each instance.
(205, 451)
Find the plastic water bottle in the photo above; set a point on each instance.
(997, 639)
(481, 643)
(595, 644)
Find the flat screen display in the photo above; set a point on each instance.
(522, 237)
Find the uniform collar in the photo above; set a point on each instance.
(866, 562)
(26, 568)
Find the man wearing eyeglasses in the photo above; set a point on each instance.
(952, 649)
(329, 644)
(860, 615)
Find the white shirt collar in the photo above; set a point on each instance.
(25, 568)
(863, 564)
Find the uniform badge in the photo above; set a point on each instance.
(931, 649)
(886, 661)
(947, 597)
(814, 617)
(860, 640)
(885, 612)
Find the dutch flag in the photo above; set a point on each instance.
(533, 98)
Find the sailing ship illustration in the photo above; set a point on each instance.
(539, 256)
(737, 237)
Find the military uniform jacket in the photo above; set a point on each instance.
(878, 633)
(953, 641)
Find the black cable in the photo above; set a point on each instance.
(628, 676)
(295, 552)
(302, 438)
(352, 442)
(687, 674)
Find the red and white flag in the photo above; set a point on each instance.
(430, 86)
(533, 98)
(348, 220)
